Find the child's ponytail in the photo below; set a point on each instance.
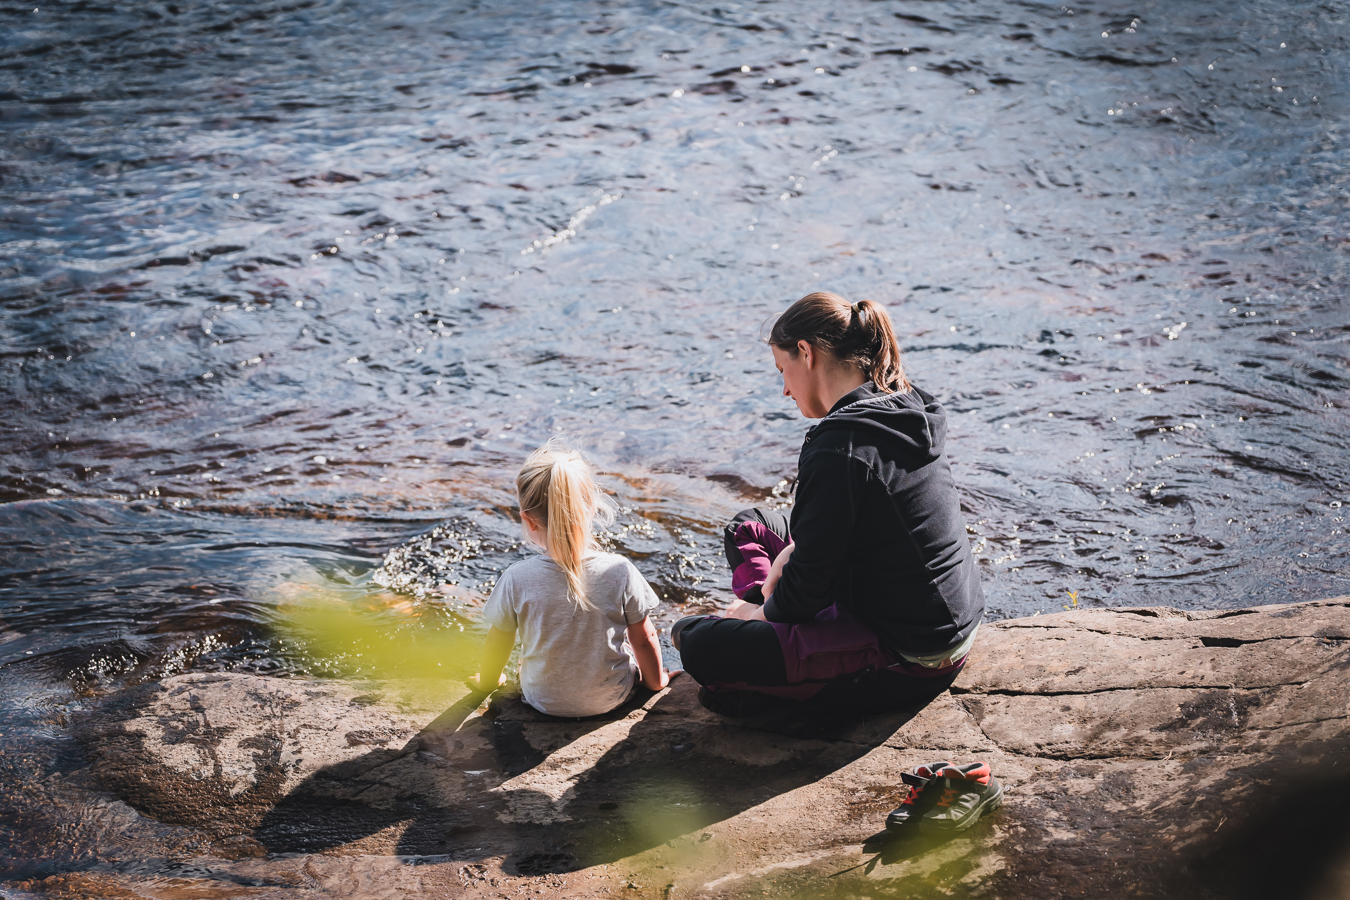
(555, 486)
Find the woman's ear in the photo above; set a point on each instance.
(806, 353)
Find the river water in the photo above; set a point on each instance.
(292, 287)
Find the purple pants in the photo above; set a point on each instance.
(834, 657)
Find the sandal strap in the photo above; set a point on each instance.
(977, 772)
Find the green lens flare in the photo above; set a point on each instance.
(372, 634)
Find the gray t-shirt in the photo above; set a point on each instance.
(573, 661)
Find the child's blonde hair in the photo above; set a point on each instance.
(555, 486)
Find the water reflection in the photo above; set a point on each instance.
(283, 290)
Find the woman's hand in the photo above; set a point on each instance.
(750, 612)
(776, 572)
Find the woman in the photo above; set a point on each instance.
(869, 597)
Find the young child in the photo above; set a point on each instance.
(582, 615)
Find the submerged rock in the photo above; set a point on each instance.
(1145, 752)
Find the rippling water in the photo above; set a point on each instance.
(285, 285)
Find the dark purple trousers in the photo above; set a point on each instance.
(833, 660)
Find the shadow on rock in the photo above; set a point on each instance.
(1289, 838)
(554, 795)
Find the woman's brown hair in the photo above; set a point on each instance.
(857, 334)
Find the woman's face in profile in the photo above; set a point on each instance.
(798, 380)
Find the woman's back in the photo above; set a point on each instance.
(574, 661)
(878, 527)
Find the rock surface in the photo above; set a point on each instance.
(1145, 752)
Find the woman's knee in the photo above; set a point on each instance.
(677, 631)
(771, 519)
(693, 640)
(732, 552)
(717, 650)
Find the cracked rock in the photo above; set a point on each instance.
(1149, 753)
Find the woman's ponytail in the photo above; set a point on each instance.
(858, 334)
(556, 487)
(877, 351)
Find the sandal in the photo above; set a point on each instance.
(910, 809)
(960, 795)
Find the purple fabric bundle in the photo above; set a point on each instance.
(759, 547)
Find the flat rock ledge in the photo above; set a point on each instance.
(1145, 752)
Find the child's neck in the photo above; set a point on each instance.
(590, 550)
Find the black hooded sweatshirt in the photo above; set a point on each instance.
(877, 526)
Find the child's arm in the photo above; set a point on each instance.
(496, 651)
(642, 638)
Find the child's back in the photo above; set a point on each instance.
(574, 660)
(573, 608)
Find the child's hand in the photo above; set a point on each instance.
(666, 679)
(496, 650)
(474, 683)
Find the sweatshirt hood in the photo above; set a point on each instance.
(914, 418)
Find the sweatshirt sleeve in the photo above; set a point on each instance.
(822, 528)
